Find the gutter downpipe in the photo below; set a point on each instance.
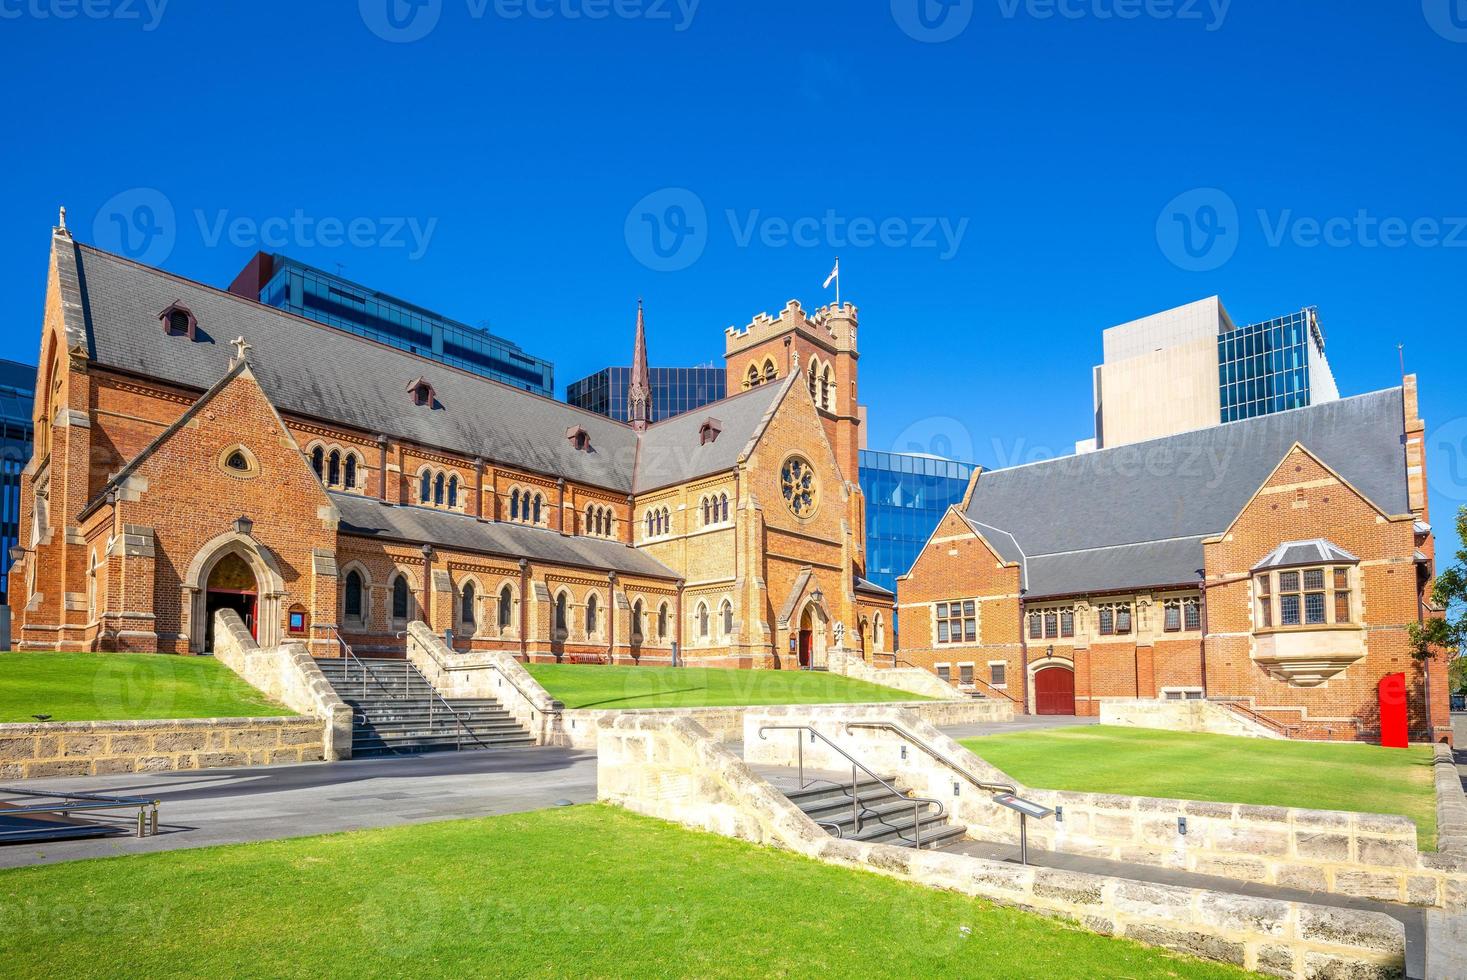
(1024, 648)
(1203, 645)
(524, 609)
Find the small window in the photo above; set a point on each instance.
(318, 462)
(237, 461)
(998, 674)
(1192, 614)
(1173, 620)
(1067, 622)
(333, 469)
(945, 673)
(702, 621)
(1036, 626)
(725, 615)
(1123, 620)
(401, 599)
(298, 620)
(562, 615)
(661, 621)
(425, 489)
(1107, 621)
(591, 615)
(506, 604)
(350, 481)
(467, 613)
(1051, 624)
(353, 601)
(965, 675)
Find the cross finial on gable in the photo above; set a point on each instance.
(241, 348)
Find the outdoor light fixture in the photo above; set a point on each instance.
(817, 596)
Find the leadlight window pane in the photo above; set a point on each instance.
(942, 610)
(970, 630)
(942, 631)
(1314, 607)
(1051, 625)
(998, 674)
(1314, 578)
(1264, 585)
(968, 609)
(1123, 619)
(1067, 623)
(1289, 610)
(1342, 607)
(1107, 622)
(1036, 628)
(1342, 578)
(1173, 618)
(945, 672)
(1288, 581)
(1194, 615)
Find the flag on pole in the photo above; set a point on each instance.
(834, 275)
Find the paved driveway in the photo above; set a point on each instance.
(228, 806)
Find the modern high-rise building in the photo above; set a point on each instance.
(906, 496)
(674, 390)
(1191, 367)
(284, 283)
(17, 394)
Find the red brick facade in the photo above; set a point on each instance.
(1228, 648)
(147, 504)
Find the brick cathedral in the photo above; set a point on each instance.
(197, 450)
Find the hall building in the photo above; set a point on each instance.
(1274, 563)
(196, 449)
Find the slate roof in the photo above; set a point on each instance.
(366, 517)
(313, 370)
(864, 585)
(1135, 516)
(1292, 553)
(672, 453)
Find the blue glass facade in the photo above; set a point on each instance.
(905, 498)
(1265, 367)
(17, 393)
(674, 390)
(321, 296)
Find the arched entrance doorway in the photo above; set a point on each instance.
(1054, 691)
(231, 585)
(810, 638)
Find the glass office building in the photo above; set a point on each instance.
(17, 393)
(906, 496)
(674, 391)
(280, 281)
(1273, 366)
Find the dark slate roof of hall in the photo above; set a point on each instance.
(671, 451)
(315, 370)
(1136, 515)
(367, 517)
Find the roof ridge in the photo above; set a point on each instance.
(1070, 457)
(339, 332)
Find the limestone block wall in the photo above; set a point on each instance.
(96, 748)
(1181, 716)
(287, 674)
(673, 769)
(487, 674)
(582, 726)
(1361, 854)
(909, 679)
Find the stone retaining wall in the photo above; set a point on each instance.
(1361, 854)
(1181, 716)
(581, 726)
(673, 769)
(913, 680)
(95, 748)
(286, 674)
(1451, 803)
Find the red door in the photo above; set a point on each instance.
(1054, 691)
(807, 645)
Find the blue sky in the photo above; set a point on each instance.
(1002, 179)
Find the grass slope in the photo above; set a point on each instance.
(586, 891)
(1222, 768)
(124, 687)
(690, 687)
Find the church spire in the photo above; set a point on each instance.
(639, 392)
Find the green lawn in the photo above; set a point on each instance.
(1222, 768)
(690, 687)
(587, 891)
(124, 687)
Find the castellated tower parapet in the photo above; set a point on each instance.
(831, 327)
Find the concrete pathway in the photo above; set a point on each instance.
(230, 806)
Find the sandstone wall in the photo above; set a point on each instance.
(1182, 716)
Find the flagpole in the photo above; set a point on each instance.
(837, 282)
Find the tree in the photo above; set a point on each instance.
(1446, 633)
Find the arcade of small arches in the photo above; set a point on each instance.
(705, 624)
(714, 509)
(821, 381)
(600, 521)
(659, 522)
(760, 374)
(438, 488)
(338, 468)
(528, 507)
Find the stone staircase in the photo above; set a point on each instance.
(396, 711)
(880, 817)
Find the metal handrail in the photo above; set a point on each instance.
(461, 727)
(899, 730)
(490, 666)
(352, 658)
(1239, 706)
(84, 802)
(1006, 694)
(856, 810)
(895, 660)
